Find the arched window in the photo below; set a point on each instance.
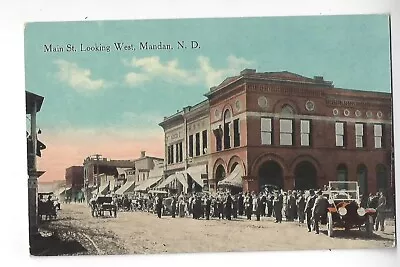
(286, 136)
(362, 179)
(287, 110)
(227, 128)
(381, 178)
(341, 174)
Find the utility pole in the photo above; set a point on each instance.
(97, 172)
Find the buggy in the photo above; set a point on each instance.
(46, 207)
(344, 209)
(101, 204)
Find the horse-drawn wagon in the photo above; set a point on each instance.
(102, 204)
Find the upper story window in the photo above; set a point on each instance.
(305, 132)
(236, 133)
(359, 128)
(340, 134)
(286, 132)
(287, 110)
(227, 129)
(197, 144)
(190, 145)
(378, 136)
(218, 136)
(266, 131)
(205, 141)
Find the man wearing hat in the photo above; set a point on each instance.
(320, 209)
(308, 208)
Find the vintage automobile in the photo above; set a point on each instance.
(101, 204)
(344, 209)
(47, 208)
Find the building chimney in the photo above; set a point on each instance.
(142, 154)
(247, 71)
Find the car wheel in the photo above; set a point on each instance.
(369, 225)
(329, 224)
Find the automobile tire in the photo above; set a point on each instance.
(329, 224)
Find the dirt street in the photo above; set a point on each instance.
(144, 233)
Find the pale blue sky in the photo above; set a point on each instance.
(94, 90)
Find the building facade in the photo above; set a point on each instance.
(187, 148)
(294, 132)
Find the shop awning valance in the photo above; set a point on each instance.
(125, 188)
(147, 184)
(234, 178)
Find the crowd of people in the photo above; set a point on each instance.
(305, 207)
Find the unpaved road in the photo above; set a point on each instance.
(144, 233)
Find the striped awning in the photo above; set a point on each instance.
(196, 172)
(147, 184)
(234, 178)
(125, 188)
(177, 176)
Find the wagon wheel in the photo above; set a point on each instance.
(329, 224)
(369, 225)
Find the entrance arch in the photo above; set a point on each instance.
(305, 176)
(362, 179)
(270, 172)
(381, 178)
(220, 174)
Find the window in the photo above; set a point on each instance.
(180, 152)
(305, 131)
(341, 175)
(378, 134)
(340, 133)
(190, 145)
(172, 154)
(359, 135)
(286, 132)
(205, 141)
(169, 154)
(227, 126)
(177, 158)
(218, 137)
(197, 144)
(266, 131)
(236, 133)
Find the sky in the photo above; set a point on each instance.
(111, 102)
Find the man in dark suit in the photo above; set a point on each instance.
(240, 204)
(228, 206)
(263, 204)
(173, 208)
(259, 207)
(159, 205)
(278, 205)
(208, 207)
(320, 209)
(308, 208)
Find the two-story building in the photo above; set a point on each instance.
(291, 131)
(186, 149)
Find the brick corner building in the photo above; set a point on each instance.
(291, 131)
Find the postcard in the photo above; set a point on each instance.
(209, 135)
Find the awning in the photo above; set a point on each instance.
(102, 190)
(195, 172)
(122, 170)
(234, 178)
(147, 184)
(125, 188)
(63, 190)
(177, 176)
